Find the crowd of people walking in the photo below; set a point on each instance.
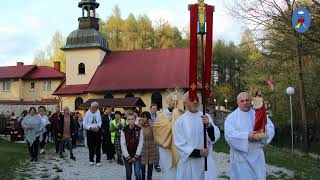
(63, 128)
(172, 138)
(104, 133)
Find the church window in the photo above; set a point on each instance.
(81, 68)
(156, 98)
(78, 102)
(129, 95)
(108, 95)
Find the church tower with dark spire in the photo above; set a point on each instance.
(85, 47)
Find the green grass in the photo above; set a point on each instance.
(304, 167)
(10, 156)
(221, 146)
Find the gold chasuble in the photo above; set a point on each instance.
(163, 129)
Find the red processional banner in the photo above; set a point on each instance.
(208, 53)
(193, 69)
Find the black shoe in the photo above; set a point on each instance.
(35, 160)
(32, 159)
(157, 168)
(120, 162)
(61, 156)
(72, 157)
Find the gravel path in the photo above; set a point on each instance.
(50, 166)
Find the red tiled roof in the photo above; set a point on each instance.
(44, 72)
(70, 89)
(143, 69)
(30, 72)
(15, 72)
(42, 102)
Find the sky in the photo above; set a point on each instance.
(28, 25)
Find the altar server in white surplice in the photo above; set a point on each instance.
(188, 138)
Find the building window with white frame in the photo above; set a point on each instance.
(32, 86)
(6, 85)
(47, 86)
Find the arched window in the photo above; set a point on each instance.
(108, 95)
(129, 95)
(156, 98)
(81, 68)
(78, 102)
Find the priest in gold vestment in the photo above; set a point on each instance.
(163, 129)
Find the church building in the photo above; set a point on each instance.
(94, 71)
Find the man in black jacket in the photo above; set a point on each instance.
(107, 146)
(66, 129)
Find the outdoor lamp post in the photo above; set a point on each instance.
(226, 101)
(215, 103)
(290, 91)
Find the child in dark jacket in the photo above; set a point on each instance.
(131, 147)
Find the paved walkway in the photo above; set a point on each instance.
(50, 166)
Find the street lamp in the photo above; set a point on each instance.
(226, 101)
(215, 103)
(290, 91)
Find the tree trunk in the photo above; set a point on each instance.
(302, 98)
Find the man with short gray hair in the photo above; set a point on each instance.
(92, 122)
(246, 148)
(188, 138)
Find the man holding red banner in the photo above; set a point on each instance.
(188, 138)
(195, 130)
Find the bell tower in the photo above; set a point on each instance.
(88, 19)
(85, 47)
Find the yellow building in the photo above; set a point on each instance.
(28, 85)
(94, 71)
